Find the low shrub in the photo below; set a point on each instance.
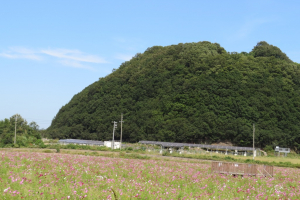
(166, 153)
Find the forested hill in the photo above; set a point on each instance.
(193, 92)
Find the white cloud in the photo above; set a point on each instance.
(21, 53)
(74, 55)
(123, 57)
(66, 57)
(75, 64)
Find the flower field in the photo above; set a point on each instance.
(64, 176)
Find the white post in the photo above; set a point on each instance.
(113, 138)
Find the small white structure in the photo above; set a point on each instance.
(282, 150)
(110, 144)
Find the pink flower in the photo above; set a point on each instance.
(5, 190)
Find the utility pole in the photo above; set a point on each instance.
(121, 130)
(16, 118)
(253, 139)
(113, 138)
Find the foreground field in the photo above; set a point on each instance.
(63, 176)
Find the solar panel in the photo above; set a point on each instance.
(178, 145)
(78, 141)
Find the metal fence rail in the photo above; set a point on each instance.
(205, 146)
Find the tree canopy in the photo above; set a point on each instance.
(27, 134)
(193, 92)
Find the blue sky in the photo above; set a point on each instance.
(52, 50)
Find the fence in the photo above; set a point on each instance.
(241, 169)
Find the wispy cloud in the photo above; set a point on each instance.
(67, 57)
(74, 64)
(21, 53)
(124, 57)
(73, 55)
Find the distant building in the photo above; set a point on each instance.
(110, 145)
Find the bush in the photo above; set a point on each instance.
(228, 158)
(39, 142)
(22, 141)
(103, 148)
(143, 148)
(269, 148)
(8, 146)
(31, 139)
(57, 150)
(71, 146)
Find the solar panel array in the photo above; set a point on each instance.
(205, 146)
(77, 141)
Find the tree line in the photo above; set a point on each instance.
(27, 134)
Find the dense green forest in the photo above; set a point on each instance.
(195, 93)
(27, 134)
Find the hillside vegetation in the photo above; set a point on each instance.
(193, 92)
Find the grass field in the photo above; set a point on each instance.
(35, 175)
